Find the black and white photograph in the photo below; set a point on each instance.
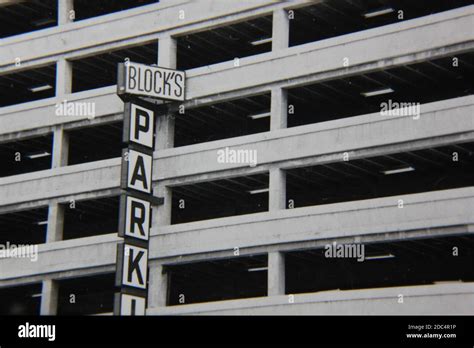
(242, 170)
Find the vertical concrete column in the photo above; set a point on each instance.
(280, 30)
(277, 190)
(167, 50)
(49, 297)
(279, 109)
(276, 273)
(64, 11)
(60, 148)
(162, 213)
(55, 222)
(164, 132)
(63, 77)
(158, 287)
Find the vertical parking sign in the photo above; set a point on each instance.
(136, 201)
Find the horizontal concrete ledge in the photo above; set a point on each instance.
(383, 47)
(367, 119)
(434, 211)
(409, 201)
(283, 147)
(437, 299)
(348, 134)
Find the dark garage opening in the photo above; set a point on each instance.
(21, 299)
(101, 70)
(328, 19)
(410, 172)
(220, 198)
(91, 217)
(398, 263)
(217, 280)
(86, 9)
(27, 85)
(225, 43)
(426, 82)
(18, 17)
(26, 155)
(95, 143)
(24, 227)
(223, 120)
(86, 295)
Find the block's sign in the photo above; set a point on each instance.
(150, 81)
(137, 198)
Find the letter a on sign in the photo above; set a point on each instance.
(138, 171)
(135, 217)
(139, 123)
(133, 264)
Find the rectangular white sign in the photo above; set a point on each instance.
(133, 266)
(135, 217)
(150, 81)
(139, 122)
(137, 171)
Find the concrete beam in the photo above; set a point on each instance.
(277, 189)
(276, 274)
(162, 213)
(456, 299)
(158, 286)
(63, 78)
(356, 218)
(280, 29)
(279, 109)
(167, 57)
(55, 223)
(167, 52)
(60, 153)
(65, 11)
(60, 182)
